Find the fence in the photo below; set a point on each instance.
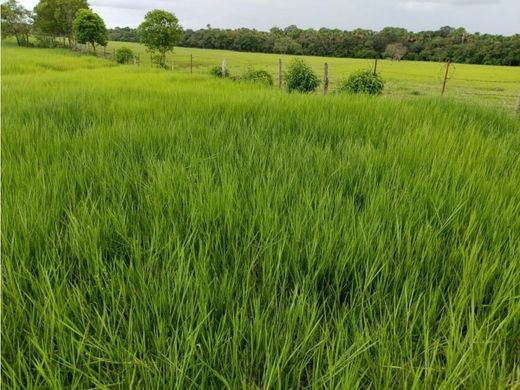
(404, 78)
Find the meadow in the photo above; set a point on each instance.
(167, 230)
(497, 86)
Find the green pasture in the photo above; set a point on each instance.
(163, 230)
(494, 85)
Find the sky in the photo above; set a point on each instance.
(485, 16)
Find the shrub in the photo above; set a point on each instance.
(124, 55)
(156, 59)
(217, 72)
(257, 76)
(301, 78)
(363, 81)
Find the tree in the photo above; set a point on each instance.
(161, 31)
(88, 27)
(396, 51)
(54, 18)
(16, 21)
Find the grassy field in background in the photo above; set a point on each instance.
(498, 86)
(162, 230)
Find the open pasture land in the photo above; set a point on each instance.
(497, 86)
(162, 230)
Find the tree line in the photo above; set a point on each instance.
(53, 23)
(455, 44)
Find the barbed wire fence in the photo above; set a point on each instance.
(447, 72)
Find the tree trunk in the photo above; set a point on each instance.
(163, 58)
(17, 39)
(94, 47)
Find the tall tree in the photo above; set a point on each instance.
(16, 21)
(88, 27)
(54, 18)
(160, 31)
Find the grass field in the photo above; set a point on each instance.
(497, 86)
(164, 230)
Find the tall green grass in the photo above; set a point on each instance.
(164, 231)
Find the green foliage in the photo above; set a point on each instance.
(258, 76)
(216, 71)
(363, 81)
(447, 42)
(123, 34)
(90, 28)
(55, 18)
(301, 78)
(124, 55)
(156, 59)
(160, 31)
(16, 21)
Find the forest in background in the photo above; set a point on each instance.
(446, 43)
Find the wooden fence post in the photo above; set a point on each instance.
(191, 63)
(280, 73)
(224, 68)
(375, 66)
(446, 77)
(326, 78)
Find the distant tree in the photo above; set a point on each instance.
(447, 42)
(160, 31)
(54, 18)
(88, 27)
(16, 21)
(395, 51)
(124, 34)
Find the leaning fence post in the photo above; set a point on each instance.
(446, 77)
(325, 78)
(280, 73)
(224, 68)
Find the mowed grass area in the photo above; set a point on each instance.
(169, 231)
(498, 86)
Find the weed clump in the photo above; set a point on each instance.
(216, 71)
(301, 78)
(124, 55)
(258, 76)
(363, 81)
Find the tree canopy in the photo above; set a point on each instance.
(16, 21)
(88, 27)
(160, 31)
(54, 18)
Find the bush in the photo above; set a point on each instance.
(156, 59)
(301, 78)
(124, 55)
(217, 72)
(363, 81)
(257, 76)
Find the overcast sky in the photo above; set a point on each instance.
(486, 16)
